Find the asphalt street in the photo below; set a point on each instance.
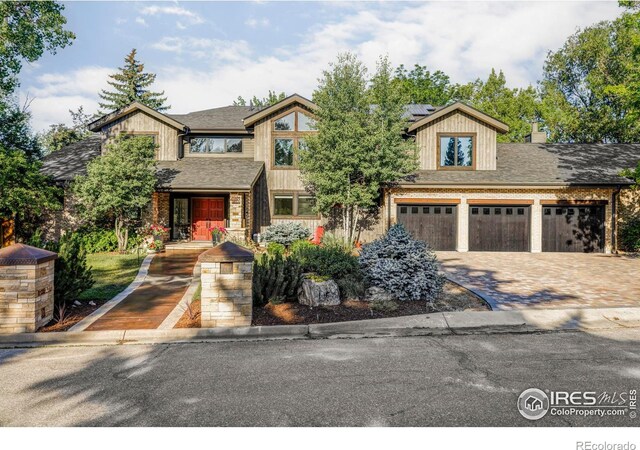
(471, 380)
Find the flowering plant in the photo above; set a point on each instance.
(153, 236)
(218, 231)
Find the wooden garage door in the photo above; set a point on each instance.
(499, 228)
(434, 224)
(573, 229)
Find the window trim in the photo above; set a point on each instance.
(210, 136)
(456, 135)
(289, 134)
(295, 195)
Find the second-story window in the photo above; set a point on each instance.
(456, 151)
(204, 145)
(288, 138)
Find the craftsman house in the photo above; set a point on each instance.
(237, 166)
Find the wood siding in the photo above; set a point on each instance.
(457, 122)
(140, 122)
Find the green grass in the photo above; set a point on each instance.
(112, 273)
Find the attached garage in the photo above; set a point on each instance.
(499, 227)
(573, 228)
(436, 224)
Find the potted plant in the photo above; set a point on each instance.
(153, 237)
(217, 234)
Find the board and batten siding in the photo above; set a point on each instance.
(456, 122)
(139, 122)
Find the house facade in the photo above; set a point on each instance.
(236, 166)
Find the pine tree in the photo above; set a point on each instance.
(131, 85)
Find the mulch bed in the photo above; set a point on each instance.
(74, 315)
(193, 321)
(453, 298)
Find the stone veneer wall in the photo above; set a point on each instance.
(514, 194)
(26, 297)
(236, 226)
(226, 277)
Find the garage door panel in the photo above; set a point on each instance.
(434, 224)
(573, 229)
(499, 228)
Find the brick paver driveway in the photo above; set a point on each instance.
(547, 280)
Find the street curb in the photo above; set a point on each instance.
(493, 305)
(434, 324)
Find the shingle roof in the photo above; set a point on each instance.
(204, 173)
(224, 118)
(545, 164)
(71, 160)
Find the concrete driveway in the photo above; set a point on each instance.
(547, 280)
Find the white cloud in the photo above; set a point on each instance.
(255, 23)
(141, 21)
(465, 40)
(172, 11)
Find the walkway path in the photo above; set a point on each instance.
(145, 308)
(548, 280)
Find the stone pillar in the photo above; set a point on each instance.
(226, 277)
(26, 288)
(536, 227)
(236, 226)
(463, 226)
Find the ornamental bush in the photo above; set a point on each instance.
(286, 233)
(275, 279)
(402, 265)
(630, 235)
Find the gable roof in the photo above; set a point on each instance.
(97, 125)
(226, 118)
(295, 98)
(459, 106)
(71, 160)
(545, 165)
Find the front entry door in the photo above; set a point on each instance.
(207, 213)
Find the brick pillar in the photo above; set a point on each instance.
(26, 288)
(226, 276)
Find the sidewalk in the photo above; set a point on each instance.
(453, 323)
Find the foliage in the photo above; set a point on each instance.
(383, 306)
(99, 240)
(275, 277)
(333, 262)
(515, 107)
(274, 248)
(421, 86)
(402, 265)
(352, 286)
(286, 233)
(634, 174)
(591, 86)
(60, 135)
(118, 184)
(131, 84)
(72, 275)
(630, 235)
(271, 99)
(29, 28)
(359, 148)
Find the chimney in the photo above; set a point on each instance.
(536, 137)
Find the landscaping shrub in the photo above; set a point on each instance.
(286, 233)
(72, 276)
(401, 265)
(273, 248)
(630, 235)
(98, 240)
(275, 278)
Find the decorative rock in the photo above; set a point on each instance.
(77, 303)
(318, 293)
(375, 293)
(92, 303)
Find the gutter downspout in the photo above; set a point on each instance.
(614, 220)
(184, 133)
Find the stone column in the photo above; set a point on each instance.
(463, 226)
(536, 227)
(226, 277)
(236, 208)
(26, 288)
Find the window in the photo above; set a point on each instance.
(498, 211)
(521, 212)
(474, 211)
(509, 211)
(486, 211)
(283, 205)
(294, 205)
(448, 210)
(289, 131)
(403, 210)
(456, 151)
(547, 211)
(181, 223)
(425, 210)
(204, 145)
(414, 210)
(437, 210)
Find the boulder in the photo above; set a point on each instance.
(318, 293)
(377, 294)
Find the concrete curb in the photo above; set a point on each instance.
(493, 305)
(435, 324)
(98, 313)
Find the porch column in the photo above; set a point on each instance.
(536, 226)
(236, 215)
(463, 226)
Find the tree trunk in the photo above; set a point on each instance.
(121, 235)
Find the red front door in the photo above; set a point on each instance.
(207, 213)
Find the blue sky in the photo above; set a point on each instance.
(207, 53)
